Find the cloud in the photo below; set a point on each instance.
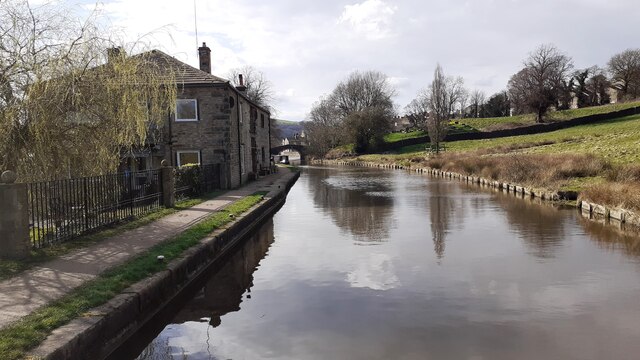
(311, 46)
(371, 18)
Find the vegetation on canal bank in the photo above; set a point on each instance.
(25, 334)
(600, 161)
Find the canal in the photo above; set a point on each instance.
(370, 264)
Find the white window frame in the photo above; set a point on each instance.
(178, 153)
(241, 113)
(194, 101)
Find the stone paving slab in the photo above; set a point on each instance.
(26, 292)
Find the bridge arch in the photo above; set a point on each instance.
(300, 149)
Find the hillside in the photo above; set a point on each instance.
(289, 128)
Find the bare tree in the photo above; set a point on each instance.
(65, 108)
(364, 102)
(456, 90)
(417, 111)
(358, 110)
(624, 69)
(477, 101)
(463, 99)
(439, 100)
(324, 127)
(259, 88)
(540, 84)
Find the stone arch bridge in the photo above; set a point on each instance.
(300, 149)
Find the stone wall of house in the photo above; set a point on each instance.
(235, 178)
(248, 142)
(262, 139)
(210, 135)
(223, 130)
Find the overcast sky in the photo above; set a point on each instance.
(306, 47)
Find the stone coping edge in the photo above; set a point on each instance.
(104, 328)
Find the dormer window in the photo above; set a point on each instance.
(187, 110)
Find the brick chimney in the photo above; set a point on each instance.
(204, 54)
(241, 86)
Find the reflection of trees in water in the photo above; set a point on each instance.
(540, 226)
(358, 201)
(441, 212)
(611, 238)
(221, 294)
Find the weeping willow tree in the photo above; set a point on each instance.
(69, 107)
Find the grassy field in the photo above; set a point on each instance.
(617, 140)
(394, 137)
(486, 124)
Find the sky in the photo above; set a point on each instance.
(306, 47)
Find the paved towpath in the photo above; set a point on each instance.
(24, 293)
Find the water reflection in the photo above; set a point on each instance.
(520, 280)
(612, 238)
(441, 211)
(358, 201)
(222, 294)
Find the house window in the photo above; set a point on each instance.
(187, 110)
(253, 118)
(240, 111)
(188, 157)
(263, 154)
(262, 121)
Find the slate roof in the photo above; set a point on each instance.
(188, 75)
(184, 73)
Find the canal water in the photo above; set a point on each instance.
(371, 264)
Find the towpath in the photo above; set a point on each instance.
(24, 293)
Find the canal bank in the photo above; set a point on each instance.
(598, 212)
(100, 330)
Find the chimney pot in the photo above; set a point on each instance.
(241, 86)
(204, 55)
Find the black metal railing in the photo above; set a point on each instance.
(64, 209)
(195, 180)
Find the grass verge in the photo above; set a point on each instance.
(18, 338)
(9, 268)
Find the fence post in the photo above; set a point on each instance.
(14, 218)
(168, 185)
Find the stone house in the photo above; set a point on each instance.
(214, 123)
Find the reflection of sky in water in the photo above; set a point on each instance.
(375, 272)
(515, 280)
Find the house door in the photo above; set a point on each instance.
(254, 156)
(254, 160)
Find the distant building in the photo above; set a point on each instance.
(401, 123)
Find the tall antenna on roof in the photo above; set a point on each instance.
(195, 22)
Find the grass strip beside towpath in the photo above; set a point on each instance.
(25, 334)
(9, 268)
